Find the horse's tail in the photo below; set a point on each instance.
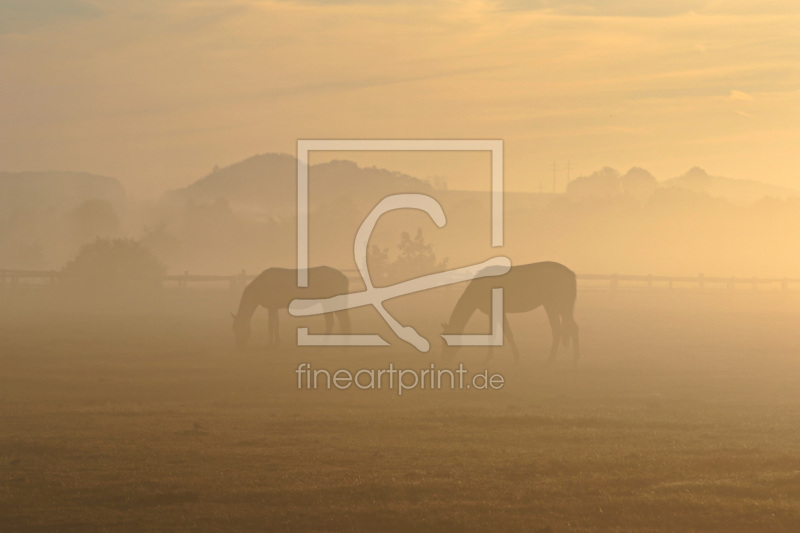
(569, 326)
(569, 331)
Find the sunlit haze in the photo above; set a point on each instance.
(156, 93)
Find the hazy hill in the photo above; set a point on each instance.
(733, 190)
(269, 182)
(41, 191)
(639, 183)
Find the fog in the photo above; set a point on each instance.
(626, 360)
(242, 217)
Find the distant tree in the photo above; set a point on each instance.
(160, 240)
(94, 218)
(437, 182)
(378, 263)
(111, 265)
(416, 257)
(603, 183)
(638, 184)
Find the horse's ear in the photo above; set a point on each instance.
(444, 326)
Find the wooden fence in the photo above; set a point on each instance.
(10, 279)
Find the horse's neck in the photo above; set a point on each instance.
(462, 312)
(247, 305)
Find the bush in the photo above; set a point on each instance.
(111, 265)
(416, 258)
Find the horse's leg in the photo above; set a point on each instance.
(555, 326)
(270, 312)
(277, 328)
(273, 327)
(570, 332)
(344, 321)
(490, 350)
(507, 333)
(573, 332)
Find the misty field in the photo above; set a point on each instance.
(682, 415)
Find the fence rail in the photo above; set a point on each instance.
(10, 279)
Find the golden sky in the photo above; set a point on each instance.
(156, 93)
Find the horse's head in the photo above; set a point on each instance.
(241, 331)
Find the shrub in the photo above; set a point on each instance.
(416, 258)
(111, 265)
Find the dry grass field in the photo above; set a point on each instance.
(683, 415)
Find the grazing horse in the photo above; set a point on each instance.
(275, 288)
(525, 287)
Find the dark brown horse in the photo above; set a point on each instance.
(275, 288)
(525, 287)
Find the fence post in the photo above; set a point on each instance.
(185, 281)
(702, 281)
(785, 284)
(614, 282)
(649, 281)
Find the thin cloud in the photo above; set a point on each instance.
(650, 8)
(606, 8)
(17, 16)
(739, 96)
(179, 84)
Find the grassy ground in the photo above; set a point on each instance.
(683, 415)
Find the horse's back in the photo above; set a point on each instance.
(277, 286)
(528, 286)
(545, 272)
